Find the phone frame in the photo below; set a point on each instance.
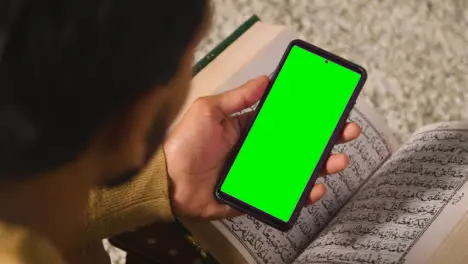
(259, 214)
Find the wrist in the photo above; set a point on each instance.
(172, 192)
(179, 198)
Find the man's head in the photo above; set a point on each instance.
(73, 69)
(88, 87)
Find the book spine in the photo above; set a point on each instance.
(224, 44)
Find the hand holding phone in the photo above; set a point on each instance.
(197, 149)
(297, 122)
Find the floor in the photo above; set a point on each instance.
(415, 51)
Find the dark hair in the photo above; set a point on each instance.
(67, 66)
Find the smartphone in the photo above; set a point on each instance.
(298, 120)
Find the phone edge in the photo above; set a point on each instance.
(261, 215)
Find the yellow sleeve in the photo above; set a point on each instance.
(142, 201)
(19, 245)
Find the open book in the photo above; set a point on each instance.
(393, 204)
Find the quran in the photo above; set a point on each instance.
(395, 203)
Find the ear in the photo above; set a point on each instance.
(124, 138)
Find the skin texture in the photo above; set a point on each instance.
(53, 202)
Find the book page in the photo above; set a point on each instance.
(259, 243)
(407, 208)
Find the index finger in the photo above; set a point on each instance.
(350, 132)
(241, 98)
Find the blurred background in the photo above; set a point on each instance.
(415, 51)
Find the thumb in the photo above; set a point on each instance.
(241, 98)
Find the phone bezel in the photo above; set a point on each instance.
(259, 214)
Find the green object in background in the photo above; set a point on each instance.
(290, 133)
(225, 44)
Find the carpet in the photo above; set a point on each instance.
(415, 51)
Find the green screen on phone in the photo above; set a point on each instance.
(290, 133)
